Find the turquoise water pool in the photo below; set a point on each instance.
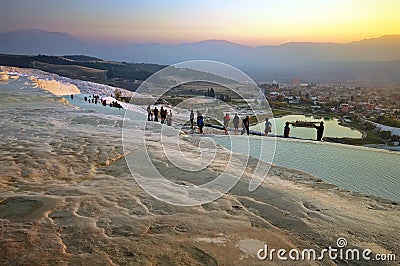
(370, 171)
(332, 128)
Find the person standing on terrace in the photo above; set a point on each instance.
(227, 118)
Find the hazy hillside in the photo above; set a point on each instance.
(125, 75)
(372, 59)
(35, 41)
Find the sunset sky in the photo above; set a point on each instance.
(252, 22)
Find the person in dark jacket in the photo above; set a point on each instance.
(286, 130)
(163, 114)
(236, 123)
(246, 125)
(155, 114)
(320, 131)
(200, 122)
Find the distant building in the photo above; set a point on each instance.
(293, 99)
(274, 93)
(305, 86)
(344, 108)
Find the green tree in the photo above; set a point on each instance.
(385, 134)
(212, 93)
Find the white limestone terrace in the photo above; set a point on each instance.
(67, 197)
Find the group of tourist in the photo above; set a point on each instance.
(226, 119)
(245, 124)
(112, 104)
(267, 128)
(199, 121)
(165, 116)
(92, 99)
(96, 98)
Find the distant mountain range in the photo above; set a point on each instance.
(367, 60)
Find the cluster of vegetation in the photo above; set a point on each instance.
(388, 120)
(210, 93)
(117, 94)
(222, 97)
(133, 71)
(82, 58)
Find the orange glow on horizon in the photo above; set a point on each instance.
(251, 23)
